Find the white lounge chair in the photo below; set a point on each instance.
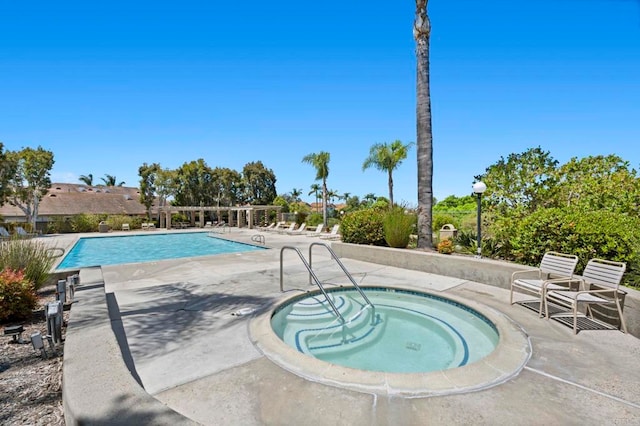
(4, 234)
(24, 234)
(317, 232)
(126, 227)
(291, 227)
(299, 230)
(276, 228)
(598, 285)
(333, 235)
(555, 272)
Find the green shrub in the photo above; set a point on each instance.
(18, 296)
(398, 227)
(441, 219)
(587, 234)
(59, 225)
(116, 221)
(28, 255)
(363, 227)
(86, 222)
(314, 219)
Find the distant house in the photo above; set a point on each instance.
(68, 199)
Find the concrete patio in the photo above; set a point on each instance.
(157, 343)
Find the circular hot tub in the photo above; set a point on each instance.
(405, 342)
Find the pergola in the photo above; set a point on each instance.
(240, 216)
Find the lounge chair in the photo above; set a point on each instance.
(265, 228)
(317, 231)
(291, 227)
(554, 273)
(299, 230)
(4, 234)
(276, 228)
(24, 234)
(598, 285)
(208, 224)
(333, 235)
(126, 227)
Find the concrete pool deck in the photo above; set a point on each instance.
(172, 324)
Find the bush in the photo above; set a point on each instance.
(116, 221)
(86, 222)
(398, 227)
(363, 227)
(445, 246)
(587, 234)
(29, 256)
(18, 296)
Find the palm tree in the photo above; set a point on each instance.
(421, 33)
(110, 180)
(296, 193)
(87, 180)
(387, 158)
(321, 163)
(315, 189)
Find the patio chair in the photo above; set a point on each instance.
(598, 285)
(126, 227)
(276, 228)
(264, 228)
(317, 232)
(291, 227)
(555, 272)
(299, 230)
(24, 234)
(333, 235)
(4, 234)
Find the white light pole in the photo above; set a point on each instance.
(478, 188)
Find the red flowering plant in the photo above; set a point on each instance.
(18, 296)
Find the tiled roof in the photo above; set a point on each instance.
(71, 199)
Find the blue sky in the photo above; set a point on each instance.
(108, 86)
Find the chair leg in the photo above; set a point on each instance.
(575, 318)
(622, 323)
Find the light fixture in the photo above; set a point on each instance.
(478, 188)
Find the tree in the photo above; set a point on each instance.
(320, 162)
(194, 184)
(229, 186)
(315, 190)
(521, 183)
(387, 157)
(260, 183)
(110, 180)
(7, 171)
(421, 33)
(598, 183)
(296, 193)
(87, 180)
(31, 180)
(148, 174)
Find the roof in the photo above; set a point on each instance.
(67, 199)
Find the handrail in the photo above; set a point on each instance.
(344, 269)
(311, 274)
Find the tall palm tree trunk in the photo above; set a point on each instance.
(421, 33)
(390, 189)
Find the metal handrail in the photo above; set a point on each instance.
(311, 275)
(344, 269)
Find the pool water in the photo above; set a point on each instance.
(117, 250)
(409, 332)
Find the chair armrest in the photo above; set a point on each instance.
(523, 272)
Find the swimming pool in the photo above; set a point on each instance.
(115, 250)
(407, 332)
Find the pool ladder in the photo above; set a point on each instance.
(314, 278)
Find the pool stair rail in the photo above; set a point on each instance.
(314, 278)
(312, 275)
(335, 257)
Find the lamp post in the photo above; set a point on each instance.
(478, 188)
